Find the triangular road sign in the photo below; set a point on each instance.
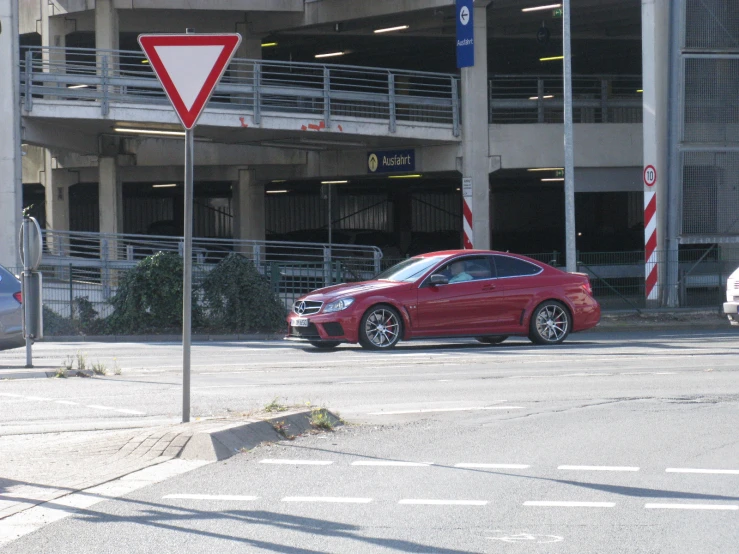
(189, 68)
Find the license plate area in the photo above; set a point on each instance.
(299, 322)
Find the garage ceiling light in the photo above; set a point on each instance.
(149, 132)
(276, 191)
(540, 8)
(553, 180)
(164, 186)
(329, 55)
(546, 169)
(334, 182)
(637, 90)
(392, 29)
(405, 176)
(268, 44)
(144, 61)
(551, 59)
(543, 97)
(77, 86)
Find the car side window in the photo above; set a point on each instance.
(507, 266)
(472, 268)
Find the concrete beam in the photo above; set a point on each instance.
(222, 5)
(330, 11)
(540, 145)
(43, 133)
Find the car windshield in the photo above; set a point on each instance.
(409, 270)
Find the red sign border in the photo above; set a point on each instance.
(645, 175)
(230, 42)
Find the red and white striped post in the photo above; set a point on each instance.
(467, 213)
(651, 268)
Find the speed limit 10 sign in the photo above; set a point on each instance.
(650, 175)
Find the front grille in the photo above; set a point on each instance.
(309, 332)
(309, 307)
(333, 329)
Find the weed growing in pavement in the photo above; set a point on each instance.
(68, 364)
(98, 368)
(116, 368)
(61, 373)
(275, 406)
(81, 361)
(281, 428)
(320, 419)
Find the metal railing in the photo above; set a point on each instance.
(249, 87)
(540, 99)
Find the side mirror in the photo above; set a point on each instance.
(438, 279)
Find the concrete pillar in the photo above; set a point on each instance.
(106, 33)
(475, 131)
(248, 203)
(11, 169)
(243, 72)
(110, 196)
(53, 35)
(56, 191)
(656, 99)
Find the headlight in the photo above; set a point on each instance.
(338, 305)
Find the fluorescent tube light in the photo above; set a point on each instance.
(334, 182)
(149, 132)
(268, 44)
(329, 55)
(145, 60)
(276, 191)
(553, 180)
(405, 176)
(164, 186)
(551, 59)
(543, 97)
(546, 169)
(540, 8)
(391, 29)
(637, 90)
(77, 86)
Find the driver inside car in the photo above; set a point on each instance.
(459, 274)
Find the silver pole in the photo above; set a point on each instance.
(187, 277)
(26, 288)
(570, 246)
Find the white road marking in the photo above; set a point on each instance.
(28, 521)
(391, 463)
(331, 499)
(492, 466)
(430, 502)
(297, 462)
(706, 471)
(132, 412)
(600, 468)
(433, 410)
(40, 398)
(233, 497)
(67, 402)
(569, 504)
(357, 382)
(731, 507)
(96, 407)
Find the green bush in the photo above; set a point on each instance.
(56, 325)
(149, 297)
(238, 298)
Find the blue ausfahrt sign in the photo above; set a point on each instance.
(465, 34)
(391, 161)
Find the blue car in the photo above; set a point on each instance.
(11, 311)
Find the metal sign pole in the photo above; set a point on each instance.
(26, 288)
(187, 277)
(571, 247)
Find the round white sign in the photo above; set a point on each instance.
(464, 15)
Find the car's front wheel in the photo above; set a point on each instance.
(492, 339)
(550, 323)
(325, 345)
(380, 328)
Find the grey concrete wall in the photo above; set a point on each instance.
(541, 145)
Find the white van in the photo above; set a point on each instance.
(732, 298)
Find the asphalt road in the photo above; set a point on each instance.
(621, 442)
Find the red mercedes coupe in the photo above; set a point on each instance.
(480, 294)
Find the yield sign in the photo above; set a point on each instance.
(189, 68)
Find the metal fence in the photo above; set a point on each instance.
(249, 87)
(540, 99)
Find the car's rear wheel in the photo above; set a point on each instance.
(492, 339)
(325, 345)
(380, 328)
(550, 323)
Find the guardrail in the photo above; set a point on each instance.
(254, 87)
(540, 99)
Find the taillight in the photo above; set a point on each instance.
(19, 297)
(587, 288)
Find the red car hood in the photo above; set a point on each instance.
(354, 289)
